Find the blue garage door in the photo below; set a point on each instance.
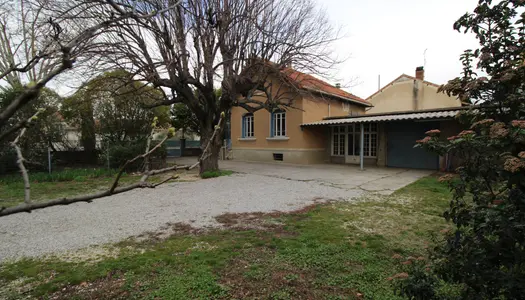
(401, 138)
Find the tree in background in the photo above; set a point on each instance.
(183, 119)
(47, 131)
(113, 108)
(483, 257)
(78, 111)
(120, 107)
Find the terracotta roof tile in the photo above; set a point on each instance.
(305, 81)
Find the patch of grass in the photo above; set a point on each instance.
(433, 197)
(330, 251)
(213, 174)
(13, 193)
(64, 183)
(60, 176)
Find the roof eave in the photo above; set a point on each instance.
(416, 115)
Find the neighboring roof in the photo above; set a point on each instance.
(312, 84)
(445, 113)
(397, 79)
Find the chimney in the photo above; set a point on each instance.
(420, 73)
(338, 85)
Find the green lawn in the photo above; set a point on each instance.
(329, 251)
(64, 183)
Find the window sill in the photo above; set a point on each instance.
(278, 138)
(248, 139)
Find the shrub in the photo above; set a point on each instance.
(120, 153)
(484, 256)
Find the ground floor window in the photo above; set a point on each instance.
(369, 142)
(278, 124)
(247, 126)
(338, 140)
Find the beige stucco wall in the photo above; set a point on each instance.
(262, 118)
(317, 108)
(303, 145)
(291, 156)
(407, 94)
(307, 110)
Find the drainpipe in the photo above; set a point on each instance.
(329, 109)
(361, 153)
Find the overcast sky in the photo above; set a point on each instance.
(389, 37)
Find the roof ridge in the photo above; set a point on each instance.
(396, 79)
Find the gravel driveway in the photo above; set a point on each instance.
(257, 187)
(115, 218)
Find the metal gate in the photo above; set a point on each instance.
(173, 148)
(401, 138)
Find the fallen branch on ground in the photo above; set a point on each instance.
(28, 207)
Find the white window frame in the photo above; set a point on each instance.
(279, 131)
(369, 133)
(354, 130)
(248, 126)
(336, 136)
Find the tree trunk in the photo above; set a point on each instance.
(88, 138)
(210, 161)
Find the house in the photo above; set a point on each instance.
(337, 127)
(408, 93)
(278, 136)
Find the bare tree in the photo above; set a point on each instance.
(237, 45)
(41, 40)
(21, 42)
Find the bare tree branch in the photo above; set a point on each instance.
(20, 158)
(68, 52)
(13, 129)
(142, 183)
(142, 156)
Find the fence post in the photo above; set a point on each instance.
(182, 146)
